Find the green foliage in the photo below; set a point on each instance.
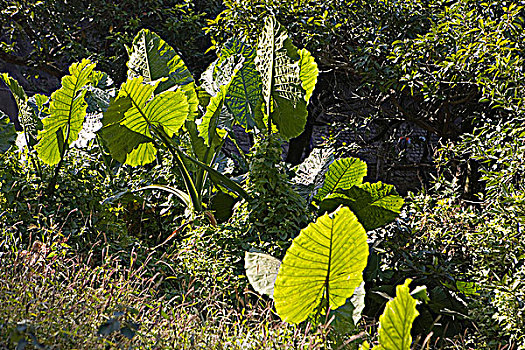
(275, 199)
(375, 204)
(29, 120)
(244, 93)
(347, 317)
(342, 174)
(54, 34)
(396, 321)
(209, 127)
(133, 299)
(443, 66)
(144, 115)
(325, 262)
(152, 58)
(7, 132)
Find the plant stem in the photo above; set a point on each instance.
(106, 165)
(188, 182)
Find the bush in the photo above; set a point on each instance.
(277, 213)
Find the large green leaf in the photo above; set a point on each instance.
(375, 204)
(7, 132)
(136, 112)
(283, 97)
(245, 89)
(121, 141)
(31, 124)
(325, 262)
(342, 174)
(261, 270)
(396, 321)
(152, 58)
(219, 73)
(67, 111)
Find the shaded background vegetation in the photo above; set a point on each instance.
(424, 87)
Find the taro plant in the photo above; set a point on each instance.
(154, 105)
(288, 78)
(52, 125)
(266, 88)
(322, 270)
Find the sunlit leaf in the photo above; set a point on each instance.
(342, 174)
(283, 97)
(245, 89)
(396, 321)
(374, 204)
(67, 111)
(326, 261)
(152, 58)
(135, 114)
(261, 270)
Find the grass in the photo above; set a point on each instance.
(52, 298)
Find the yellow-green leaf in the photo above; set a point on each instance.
(326, 261)
(67, 111)
(396, 321)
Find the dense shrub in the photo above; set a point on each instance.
(277, 213)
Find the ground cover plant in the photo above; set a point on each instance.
(170, 200)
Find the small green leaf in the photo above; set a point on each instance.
(396, 321)
(420, 293)
(342, 174)
(109, 327)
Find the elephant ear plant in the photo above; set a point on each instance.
(155, 104)
(288, 77)
(51, 131)
(267, 87)
(322, 270)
